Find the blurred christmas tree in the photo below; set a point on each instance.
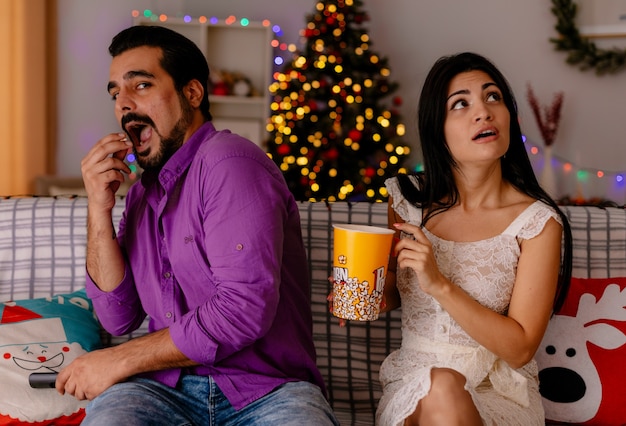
(330, 134)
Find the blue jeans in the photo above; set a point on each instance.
(197, 400)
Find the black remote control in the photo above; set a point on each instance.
(42, 380)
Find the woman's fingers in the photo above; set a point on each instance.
(414, 230)
(417, 254)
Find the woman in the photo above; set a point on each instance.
(478, 260)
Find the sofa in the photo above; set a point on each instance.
(42, 256)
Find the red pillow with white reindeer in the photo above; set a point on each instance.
(582, 367)
(43, 336)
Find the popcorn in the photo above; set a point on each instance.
(354, 300)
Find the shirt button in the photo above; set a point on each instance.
(239, 247)
(168, 315)
(167, 275)
(442, 328)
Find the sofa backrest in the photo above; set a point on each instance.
(42, 245)
(599, 239)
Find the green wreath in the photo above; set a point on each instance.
(582, 51)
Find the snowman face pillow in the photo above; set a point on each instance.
(43, 336)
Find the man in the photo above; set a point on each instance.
(209, 247)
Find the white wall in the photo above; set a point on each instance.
(412, 34)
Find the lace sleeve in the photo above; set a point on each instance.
(401, 206)
(537, 221)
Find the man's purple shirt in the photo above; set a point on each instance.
(214, 251)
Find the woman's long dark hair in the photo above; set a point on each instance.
(437, 190)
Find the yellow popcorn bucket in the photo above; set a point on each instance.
(360, 262)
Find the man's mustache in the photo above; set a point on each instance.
(131, 116)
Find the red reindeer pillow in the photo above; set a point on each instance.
(582, 371)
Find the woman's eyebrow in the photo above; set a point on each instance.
(465, 91)
(458, 92)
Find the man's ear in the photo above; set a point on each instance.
(194, 92)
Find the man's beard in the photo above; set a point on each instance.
(150, 161)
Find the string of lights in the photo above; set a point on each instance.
(280, 47)
(583, 174)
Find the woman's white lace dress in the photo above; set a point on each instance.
(431, 338)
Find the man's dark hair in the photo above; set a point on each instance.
(182, 59)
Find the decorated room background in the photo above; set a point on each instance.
(586, 156)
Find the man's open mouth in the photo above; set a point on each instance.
(138, 132)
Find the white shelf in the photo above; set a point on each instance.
(233, 48)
